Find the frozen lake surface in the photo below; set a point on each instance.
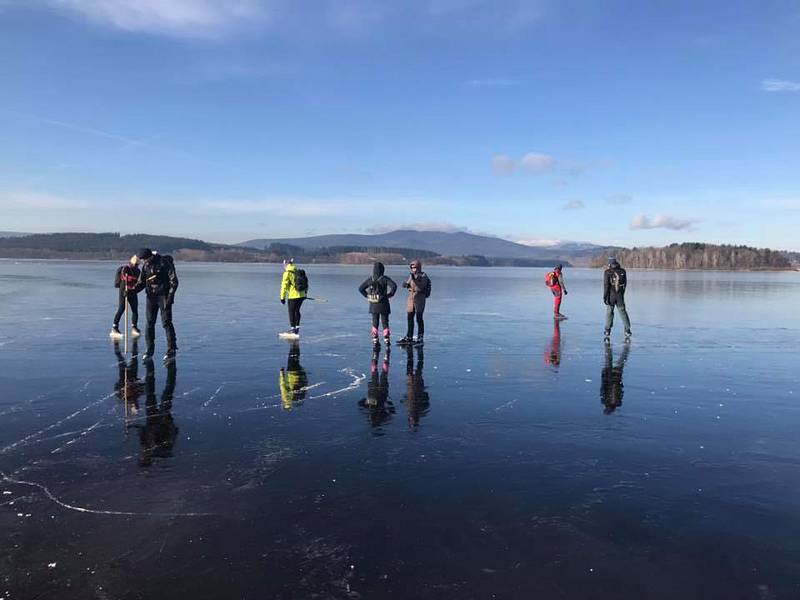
(510, 460)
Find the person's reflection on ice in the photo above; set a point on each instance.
(293, 381)
(129, 388)
(611, 386)
(158, 434)
(377, 405)
(552, 354)
(417, 399)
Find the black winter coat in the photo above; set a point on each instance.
(158, 277)
(378, 289)
(615, 280)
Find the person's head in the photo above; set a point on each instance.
(613, 262)
(378, 269)
(558, 268)
(287, 262)
(134, 260)
(415, 266)
(144, 254)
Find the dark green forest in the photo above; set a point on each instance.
(701, 256)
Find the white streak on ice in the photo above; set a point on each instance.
(92, 511)
(355, 384)
(27, 438)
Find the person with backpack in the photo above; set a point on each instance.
(615, 282)
(378, 289)
(294, 288)
(160, 282)
(125, 280)
(419, 289)
(555, 281)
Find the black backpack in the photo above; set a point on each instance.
(301, 281)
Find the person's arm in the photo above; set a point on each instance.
(362, 289)
(606, 288)
(172, 277)
(407, 283)
(561, 283)
(140, 281)
(284, 286)
(391, 287)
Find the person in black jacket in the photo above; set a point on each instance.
(615, 281)
(378, 289)
(160, 281)
(612, 388)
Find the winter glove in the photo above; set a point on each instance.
(606, 301)
(406, 284)
(283, 300)
(565, 292)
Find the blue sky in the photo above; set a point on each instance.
(629, 123)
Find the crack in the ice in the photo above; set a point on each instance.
(82, 509)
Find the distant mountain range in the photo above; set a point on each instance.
(8, 234)
(444, 243)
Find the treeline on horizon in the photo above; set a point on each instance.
(698, 256)
(113, 246)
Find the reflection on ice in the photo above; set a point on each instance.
(417, 399)
(611, 385)
(376, 405)
(293, 381)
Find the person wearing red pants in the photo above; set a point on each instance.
(555, 281)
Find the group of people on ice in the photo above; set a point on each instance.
(155, 274)
(378, 289)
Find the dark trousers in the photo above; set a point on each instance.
(420, 324)
(378, 318)
(133, 302)
(294, 311)
(154, 305)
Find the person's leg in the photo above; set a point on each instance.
(609, 317)
(385, 322)
(410, 326)
(133, 302)
(623, 313)
(150, 332)
(375, 322)
(556, 301)
(290, 308)
(166, 322)
(120, 306)
(297, 312)
(420, 324)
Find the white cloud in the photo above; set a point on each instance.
(662, 222)
(35, 200)
(539, 243)
(222, 18)
(491, 82)
(779, 85)
(619, 199)
(537, 163)
(574, 205)
(181, 18)
(440, 226)
(502, 164)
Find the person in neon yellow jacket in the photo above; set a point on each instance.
(294, 288)
(292, 381)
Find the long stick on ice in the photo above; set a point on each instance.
(126, 322)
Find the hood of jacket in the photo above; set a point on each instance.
(291, 268)
(377, 270)
(417, 263)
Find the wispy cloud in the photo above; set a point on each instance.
(100, 133)
(492, 82)
(619, 199)
(779, 85)
(181, 18)
(224, 18)
(662, 222)
(573, 205)
(443, 226)
(502, 164)
(37, 200)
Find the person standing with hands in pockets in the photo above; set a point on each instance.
(419, 289)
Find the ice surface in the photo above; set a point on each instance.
(512, 457)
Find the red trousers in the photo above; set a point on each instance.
(556, 289)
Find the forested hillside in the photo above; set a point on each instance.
(701, 256)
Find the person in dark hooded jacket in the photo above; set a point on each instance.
(378, 289)
(419, 288)
(160, 282)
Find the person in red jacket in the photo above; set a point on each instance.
(555, 281)
(125, 280)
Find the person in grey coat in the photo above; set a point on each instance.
(419, 288)
(615, 282)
